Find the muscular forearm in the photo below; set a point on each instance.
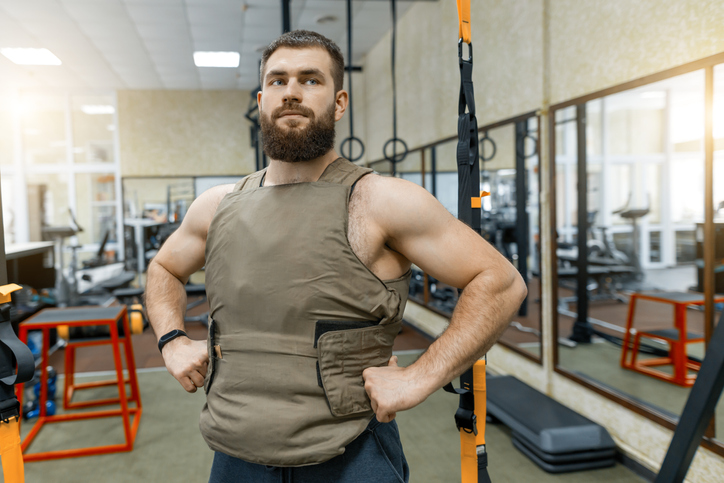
(483, 311)
(165, 300)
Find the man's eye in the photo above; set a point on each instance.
(312, 81)
(276, 82)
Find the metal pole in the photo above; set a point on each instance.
(433, 170)
(521, 215)
(286, 17)
(581, 328)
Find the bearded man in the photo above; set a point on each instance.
(307, 272)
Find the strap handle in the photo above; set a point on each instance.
(464, 19)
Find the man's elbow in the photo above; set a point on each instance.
(518, 290)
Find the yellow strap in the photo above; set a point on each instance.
(469, 441)
(464, 18)
(10, 452)
(479, 392)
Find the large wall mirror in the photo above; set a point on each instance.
(630, 206)
(510, 221)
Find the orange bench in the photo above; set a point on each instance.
(677, 337)
(48, 319)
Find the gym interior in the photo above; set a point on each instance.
(601, 145)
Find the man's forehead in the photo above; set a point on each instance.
(292, 59)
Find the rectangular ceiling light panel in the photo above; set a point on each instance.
(22, 56)
(97, 109)
(216, 59)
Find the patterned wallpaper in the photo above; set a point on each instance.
(184, 133)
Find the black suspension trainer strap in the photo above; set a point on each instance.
(470, 416)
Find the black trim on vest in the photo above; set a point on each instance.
(324, 326)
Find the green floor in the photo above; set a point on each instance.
(601, 362)
(170, 448)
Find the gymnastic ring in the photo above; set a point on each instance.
(395, 157)
(481, 143)
(528, 135)
(349, 140)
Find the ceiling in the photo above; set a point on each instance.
(149, 44)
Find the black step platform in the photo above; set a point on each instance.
(555, 437)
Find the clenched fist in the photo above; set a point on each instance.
(392, 388)
(187, 361)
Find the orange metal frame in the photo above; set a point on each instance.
(677, 352)
(130, 430)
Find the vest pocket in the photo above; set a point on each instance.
(342, 357)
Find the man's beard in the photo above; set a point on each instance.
(293, 144)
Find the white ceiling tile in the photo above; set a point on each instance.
(88, 12)
(214, 14)
(32, 11)
(156, 2)
(264, 16)
(16, 36)
(109, 30)
(232, 33)
(217, 45)
(156, 13)
(170, 30)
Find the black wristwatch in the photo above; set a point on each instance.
(166, 338)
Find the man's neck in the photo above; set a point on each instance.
(280, 172)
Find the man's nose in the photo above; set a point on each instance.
(293, 92)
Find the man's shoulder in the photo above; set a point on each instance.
(386, 189)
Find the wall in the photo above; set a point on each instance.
(529, 55)
(184, 133)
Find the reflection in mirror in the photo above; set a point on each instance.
(718, 129)
(153, 209)
(639, 272)
(510, 216)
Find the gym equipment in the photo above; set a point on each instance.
(31, 408)
(633, 214)
(698, 411)
(12, 352)
(553, 436)
(394, 158)
(49, 319)
(351, 139)
(677, 338)
(473, 454)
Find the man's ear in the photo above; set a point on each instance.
(258, 99)
(341, 102)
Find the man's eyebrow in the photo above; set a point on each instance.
(303, 72)
(312, 71)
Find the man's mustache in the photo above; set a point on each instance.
(303, 110)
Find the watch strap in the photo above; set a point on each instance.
(168, 337)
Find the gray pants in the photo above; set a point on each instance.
(376, 456)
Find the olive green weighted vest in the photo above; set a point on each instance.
(295, 319)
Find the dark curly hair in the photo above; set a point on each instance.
(304, 39)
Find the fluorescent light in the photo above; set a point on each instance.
(97, 109)
(31, 56)
(653, 95)
(216, 59)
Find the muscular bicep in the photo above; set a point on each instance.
(184, 251)
(424, 232)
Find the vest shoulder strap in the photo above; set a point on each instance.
(250, 182)
(343, 172)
